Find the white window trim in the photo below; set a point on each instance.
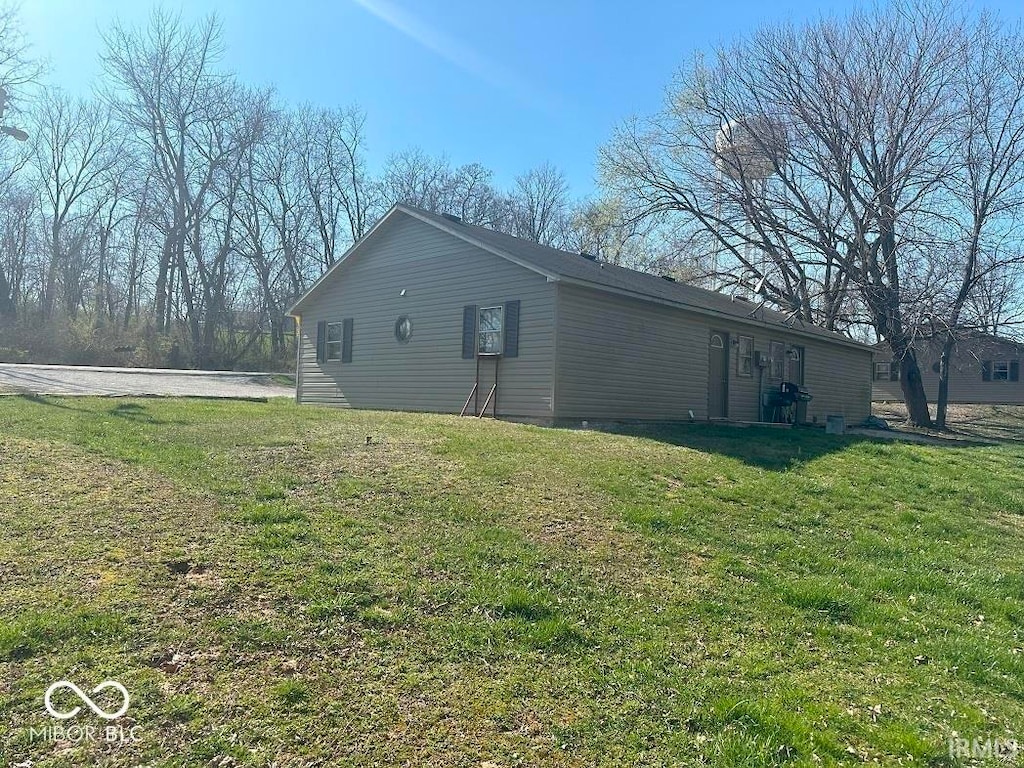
(339, 343)
(878, 376)
(1004, 367)
(500, 332)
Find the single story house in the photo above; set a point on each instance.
(427, 313)
(982, 369)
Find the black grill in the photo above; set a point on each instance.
(782, 402)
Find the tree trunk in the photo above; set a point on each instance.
(277, 344)
(99, 299)
(161, 284)
(8, 309)
(942, 400)
(195, 327)
(913, 388)
(50, 290)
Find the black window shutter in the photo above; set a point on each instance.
(986, 370)
(321, 341)
(894, 371)
(469, 332)
(511, 346)
(1014, 370)
(346, 340)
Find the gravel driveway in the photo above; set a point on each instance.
(89, 380)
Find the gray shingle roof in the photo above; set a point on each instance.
(600, 275)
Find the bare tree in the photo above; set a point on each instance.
(74, 153)
(276, 222)
(17, 70)
(186, 213)
(539, 204)
(334, 168)
(819, 160)
(18, 67)
(986, 190)
(164, 88)
(601, 227)
(19, 73)
(415, 178)
(141, 237)
(18, 212)
(195, 124)
(469, 193)
(996, 305)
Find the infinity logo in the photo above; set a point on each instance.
(85, 699)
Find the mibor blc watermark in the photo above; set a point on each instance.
(983, 747)
(64, 731)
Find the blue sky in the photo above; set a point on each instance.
(506, 84)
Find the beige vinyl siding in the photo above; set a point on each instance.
(889, 390)
(966, 384)
(621, 358)
(440, 274)
(839, 378)
(743, 392)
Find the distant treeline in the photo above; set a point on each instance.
(173, 217)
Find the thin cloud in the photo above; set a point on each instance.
(453, 51)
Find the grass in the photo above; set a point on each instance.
(275, 590)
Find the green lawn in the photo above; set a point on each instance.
(274, 590)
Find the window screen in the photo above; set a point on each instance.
(777, 352)
(490, 331)
(745, 359)
(335, 336)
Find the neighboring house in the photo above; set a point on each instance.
(982, 369)
(426, 313)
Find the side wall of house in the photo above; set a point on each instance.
(839, 378)
(836, 376)
(439, 274)
(966, 382)
(622, 358)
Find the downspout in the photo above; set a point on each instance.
(298, 359)
(760, 392)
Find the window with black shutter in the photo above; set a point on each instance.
(1014, 370)
(986, 370)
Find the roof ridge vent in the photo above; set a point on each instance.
(588, 256)
(452, 217)
(669, 278)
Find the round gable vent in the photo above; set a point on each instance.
(403, 329)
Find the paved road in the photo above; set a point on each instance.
(88, 380)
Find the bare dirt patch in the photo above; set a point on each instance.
(972, 423)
